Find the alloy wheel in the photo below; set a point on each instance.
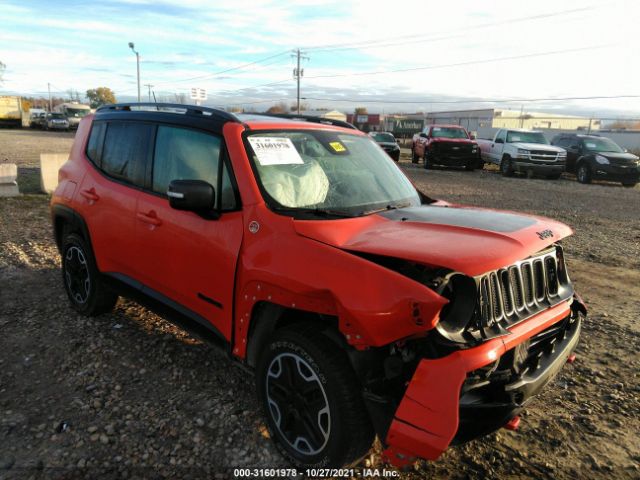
(76, 274)
(298, 403)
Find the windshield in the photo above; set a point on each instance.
(448, 132)
(330, 172)
(383, 137)
(526, 137)
(601, 145)
(77, 112)
(56, 115)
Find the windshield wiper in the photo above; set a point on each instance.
(391, 206)
(316, 211)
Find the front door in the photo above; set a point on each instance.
(189, 258)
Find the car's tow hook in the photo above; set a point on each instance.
(513, 424)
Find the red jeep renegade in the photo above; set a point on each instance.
(363, 306)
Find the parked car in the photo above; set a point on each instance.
(73, 111)
(388, 143)
(55, 121)
(362, 306)
(38, 120)
(523, 151)
(449, 145)
(596, 157)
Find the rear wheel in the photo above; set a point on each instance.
(312, 399)
(583, 174)
(505, 167)
(82, 280)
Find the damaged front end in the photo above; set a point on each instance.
(501, 338)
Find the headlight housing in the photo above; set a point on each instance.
(455, 317)
(523, 153)
(602, 160)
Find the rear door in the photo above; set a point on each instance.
(188, 258)
(109, 192)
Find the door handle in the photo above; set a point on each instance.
(151, 218)
(90, 194)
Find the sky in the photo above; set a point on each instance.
(387, 56)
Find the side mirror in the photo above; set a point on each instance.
(423, 135)
(499, 140)
(473, 135)
(192, 195)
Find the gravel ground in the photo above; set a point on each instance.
(129, 395)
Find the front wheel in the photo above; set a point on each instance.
(428, 162)
(414, 155)
(312, 400)
(584, 173)
(505, 167)
(82, 280)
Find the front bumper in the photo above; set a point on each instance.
(617, 173)
(438, 408)
(537, 168)
(455, 160)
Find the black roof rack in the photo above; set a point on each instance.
(309, 118)
(170, 108)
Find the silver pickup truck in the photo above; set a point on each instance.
(524, 151)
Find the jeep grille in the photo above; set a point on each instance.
(519, 291)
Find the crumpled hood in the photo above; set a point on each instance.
(465, 239)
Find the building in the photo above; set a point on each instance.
(331, 114)
(492, 118)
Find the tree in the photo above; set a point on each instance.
(361, 111)
(278, 108)
(100, 96)
(303, 107)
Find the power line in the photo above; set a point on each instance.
(239, 67)
(438, 102)
(470, 62)
(383, 43)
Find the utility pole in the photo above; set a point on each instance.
(521, 116)
(297, 73)
(49, 89)
(132, 47)
(149, 86)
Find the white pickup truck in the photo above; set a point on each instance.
(524, 151)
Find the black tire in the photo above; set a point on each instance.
(583, 173)
(414, 157)
(341, 435)
(428, 163)
(505, 167)
(629, 185)
(82, 280)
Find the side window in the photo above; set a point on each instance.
(184, 154)
(126, 152)
(502, 134)
(96, 140)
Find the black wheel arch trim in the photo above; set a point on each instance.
(71, 217)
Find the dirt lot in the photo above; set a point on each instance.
(128, 395)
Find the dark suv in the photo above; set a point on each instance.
(363, 306)
(596, 157)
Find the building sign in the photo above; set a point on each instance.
(407, 125)
(362, 118)
(198, 94)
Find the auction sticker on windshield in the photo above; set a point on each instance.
(275, 151)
